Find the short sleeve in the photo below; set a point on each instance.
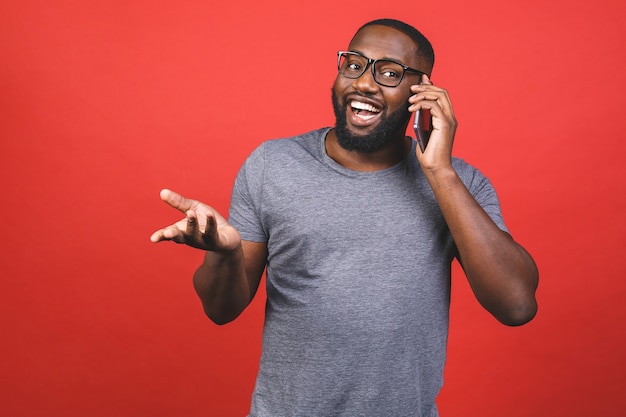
(246, 200)
(481, 188)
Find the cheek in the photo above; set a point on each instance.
(399, 100)
(341, 84)
(337, 94)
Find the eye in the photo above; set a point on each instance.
(351, 65)
(389, 70)
(390, 74)
(353, 62)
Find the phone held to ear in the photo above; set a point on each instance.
(423, 126)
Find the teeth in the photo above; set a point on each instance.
(364, 106)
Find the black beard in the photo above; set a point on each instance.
(388, 128)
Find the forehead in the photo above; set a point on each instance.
(380, 42)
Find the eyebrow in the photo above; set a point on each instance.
(399, 61)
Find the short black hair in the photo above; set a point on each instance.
(424, 47)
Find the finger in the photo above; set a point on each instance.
(421, 89)
(424, 81)
(210, 229)
(192, 223)
(173, 233)
(156, 236)
(430, 97)
(176, 200)
(427, 97)
(421, 103)
(169, 233)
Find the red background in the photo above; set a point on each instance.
(103, 103)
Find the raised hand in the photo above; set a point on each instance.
(203, 227)
(439, 150)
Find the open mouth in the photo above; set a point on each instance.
(364, 112)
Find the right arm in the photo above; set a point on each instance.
(230, 274)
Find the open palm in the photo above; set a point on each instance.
(203, 227)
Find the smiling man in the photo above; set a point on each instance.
(368, 117)
(356, 229)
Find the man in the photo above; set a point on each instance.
(357, 228)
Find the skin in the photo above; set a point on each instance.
(377, 42)
(502, 275)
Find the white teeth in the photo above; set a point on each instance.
(364, 106)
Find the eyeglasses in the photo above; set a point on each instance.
(386, 72)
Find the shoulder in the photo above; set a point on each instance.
(283, 151)
(307, 142)
(465, 169)
(461, 166)
(471, 176)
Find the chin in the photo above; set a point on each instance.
(351, 141)
(375, 139)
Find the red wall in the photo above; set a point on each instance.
(103, 103)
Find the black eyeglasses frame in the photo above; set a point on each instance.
(372, 63)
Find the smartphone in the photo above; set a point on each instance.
(423, 126)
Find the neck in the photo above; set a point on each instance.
(393, 152)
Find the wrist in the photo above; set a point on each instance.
(441, 176)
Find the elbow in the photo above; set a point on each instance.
(220, 321)
(513, 307)
(519, 314)
(221, 317)
(221, 313)
(519, 305)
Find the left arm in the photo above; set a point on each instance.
(502, 275)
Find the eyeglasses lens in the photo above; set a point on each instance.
(386, 73)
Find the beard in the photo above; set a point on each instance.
(388, 128)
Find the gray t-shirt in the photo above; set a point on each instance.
(358, 280)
